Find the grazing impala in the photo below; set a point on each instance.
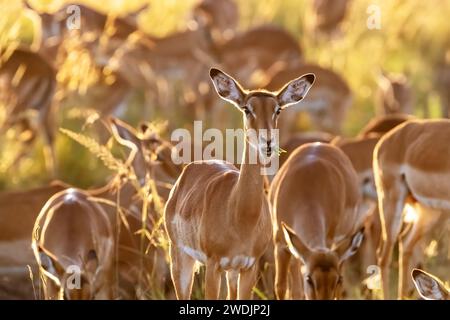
(24, 206)
(314, 200)
(429, 286)
(100, 35)
(212, 194)
(27, 82)
(327, 102)
(72, 234)
(411, 164)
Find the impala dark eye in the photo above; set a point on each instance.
(246, 110)
(309, 280)
(339, 280)
(278, 111)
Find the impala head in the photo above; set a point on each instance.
(323, 276)
(261, 108)
(147, 148)
(429, 286)
(395, 93)
(221, 17)
(86, 282)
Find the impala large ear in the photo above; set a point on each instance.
(227, 88)
(295, 244)
(348, 248)
(51, 267)
(428, 286)
(122, 131)
(125, 135)
(295, 90)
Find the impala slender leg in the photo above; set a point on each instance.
(247, 280)
(426, 221)
(213, 280)
(232, 282)
(391, 203)
(182, 271)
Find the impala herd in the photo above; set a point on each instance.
(335, 202)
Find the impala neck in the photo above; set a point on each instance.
(249, 191)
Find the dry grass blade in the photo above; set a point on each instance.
(100, 151)
(32, 281)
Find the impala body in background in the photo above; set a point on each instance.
(326, 104)
(27, 83)
(219, 18)
(24, 206)
(360, 152)
(411, 164)
(383, 124)
(395, 95)
(314, 199)
(328, 15)
(300, 138)
(18, 212)
(442, 80)
(212, 194)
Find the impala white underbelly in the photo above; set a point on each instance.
(198, 255)
(187, 238)
(187, 241)
(238, 262)
(432, 189)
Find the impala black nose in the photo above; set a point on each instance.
(269, 148)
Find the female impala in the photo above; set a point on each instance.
(316, 193)
(411, 163)
(218, 215)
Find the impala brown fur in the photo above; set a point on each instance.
(218, 215)
(71, 231)
(326, 104)
(382, 124)
(314, 200)
(411, 163)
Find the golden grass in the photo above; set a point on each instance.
(413, 37)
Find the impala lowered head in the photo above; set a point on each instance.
(148, 149)
(261, 108)
(323, 274)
